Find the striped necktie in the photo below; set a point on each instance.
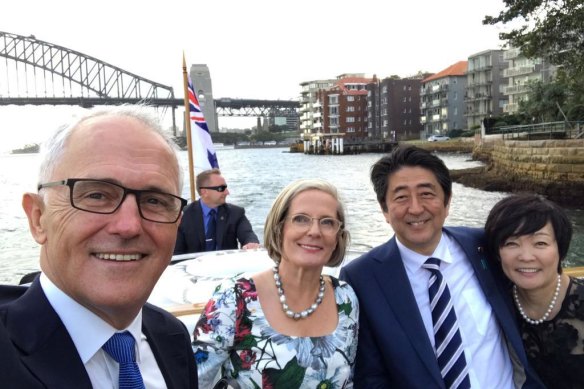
(448, 342)
(121, 348)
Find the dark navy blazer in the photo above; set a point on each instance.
(394, 350)
(34, 338)
(232, 226)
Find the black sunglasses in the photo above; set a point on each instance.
(218, 188)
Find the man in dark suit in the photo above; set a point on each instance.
(105, 215)
(400, 340)
(196, 232)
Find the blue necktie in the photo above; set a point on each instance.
(448, 342)
(121, 348)
(210, 235)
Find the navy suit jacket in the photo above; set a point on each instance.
(41, 348)
(232, 226)
(394, 350)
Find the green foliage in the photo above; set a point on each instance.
(229, 138)
(554, 31)
(551, 29)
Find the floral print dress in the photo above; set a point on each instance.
(233, 336)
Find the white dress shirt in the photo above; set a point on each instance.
(485, 349)
(89, 333)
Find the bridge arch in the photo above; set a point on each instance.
(31, 64)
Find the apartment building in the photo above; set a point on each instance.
(311, 119)
(520, 73)
(345, 107)
(485, 82)
(393, 108)
(442, 101)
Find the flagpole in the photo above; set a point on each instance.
(188, 129)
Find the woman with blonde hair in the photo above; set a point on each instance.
(290, 325)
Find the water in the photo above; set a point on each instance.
(255, 177)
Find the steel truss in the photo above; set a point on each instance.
(75, 72)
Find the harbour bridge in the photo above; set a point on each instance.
(35, 72)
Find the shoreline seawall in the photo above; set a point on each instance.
(552, 168)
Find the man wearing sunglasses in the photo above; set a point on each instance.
(105, 215)
(210, 224)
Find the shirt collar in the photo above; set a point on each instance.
(206, 209)
(413, 261)
(81, 322)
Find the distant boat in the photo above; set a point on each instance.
(221, 146)
(28, 149)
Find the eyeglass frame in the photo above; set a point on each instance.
(70, 182)
(312, 219)
(218, 188)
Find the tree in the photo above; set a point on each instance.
(554, 31)
(550, 29)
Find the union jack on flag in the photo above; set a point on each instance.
(205, 156)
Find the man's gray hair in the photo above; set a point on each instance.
(54, 148)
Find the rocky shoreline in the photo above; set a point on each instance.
(565, 193)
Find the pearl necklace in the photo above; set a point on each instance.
(549, 310)
(290, 313)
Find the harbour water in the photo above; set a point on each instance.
(255, 176)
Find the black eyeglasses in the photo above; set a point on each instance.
(218, 188)
(97, 196)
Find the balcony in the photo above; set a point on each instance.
(511, 108)
(518, 71)
(511, 54)
(516, 89)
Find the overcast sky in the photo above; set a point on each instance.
(262, 49)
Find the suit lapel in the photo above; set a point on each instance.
(47, 349)
(200, 230)
(393, 281)
(493, 289)
(168, 348)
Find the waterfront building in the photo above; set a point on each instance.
(393, 108)
(442, 100)
(520, 73)
(344, 108)
(311, 108)
(485, 82)
(201, 78)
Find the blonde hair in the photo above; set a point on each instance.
(273, 229)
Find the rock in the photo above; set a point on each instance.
(568, 194)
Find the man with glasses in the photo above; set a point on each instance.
(210, 223)
(106, 215)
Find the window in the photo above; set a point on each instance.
(384, 89)
(333, 99)
(350, 119)
(350, 129)
(350, 108)
(350, 98)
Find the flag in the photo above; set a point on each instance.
(205, 156)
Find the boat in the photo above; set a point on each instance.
(222, 146)
(28, 149)
(188, 283)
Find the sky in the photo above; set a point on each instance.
(258, 49)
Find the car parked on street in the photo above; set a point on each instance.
(438, 138)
